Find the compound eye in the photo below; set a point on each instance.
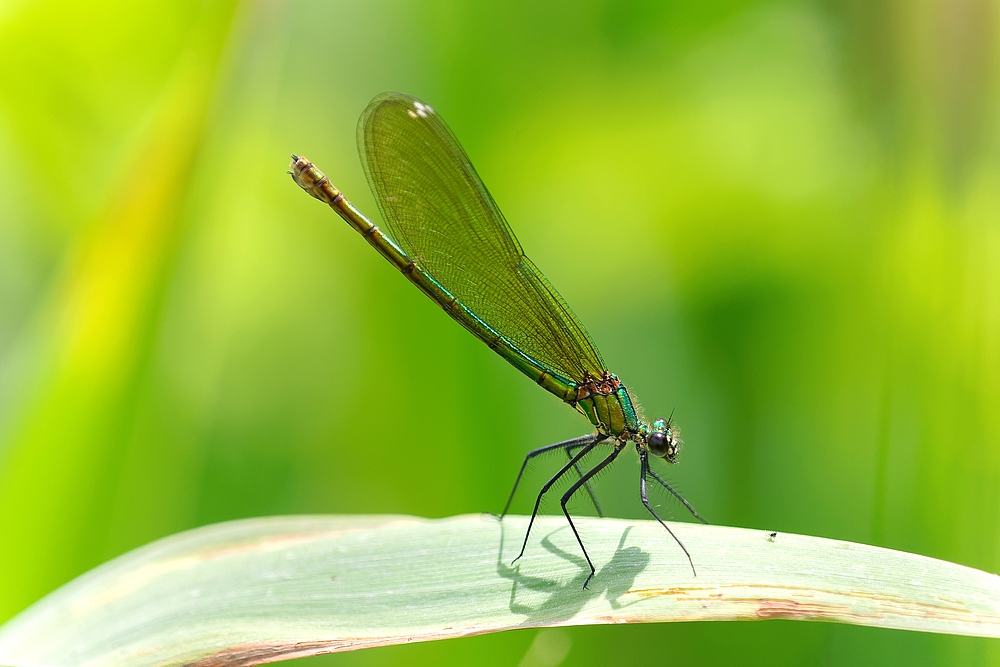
(658, 443)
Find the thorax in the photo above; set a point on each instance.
(606, 403)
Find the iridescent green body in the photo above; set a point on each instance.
(313, 181)
(605, 404)
(612, 414)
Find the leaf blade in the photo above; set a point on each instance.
(262, 590)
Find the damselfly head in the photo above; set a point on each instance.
(664, 440)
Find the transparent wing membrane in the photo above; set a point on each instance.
(437, 209)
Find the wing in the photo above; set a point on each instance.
(437, 209)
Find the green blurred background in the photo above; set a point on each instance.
(781, 219)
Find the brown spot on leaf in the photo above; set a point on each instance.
(791, 609)
(257, 653)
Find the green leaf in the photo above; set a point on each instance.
(261, 590)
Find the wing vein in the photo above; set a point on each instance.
(438, 210)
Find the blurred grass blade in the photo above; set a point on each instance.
(261, 590)
(97, 333)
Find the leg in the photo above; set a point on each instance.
(576, 487)
(582, 441)
(644, 465)
(555, 478)
(590, 491)
(676, 495)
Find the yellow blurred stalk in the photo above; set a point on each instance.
(99, 324)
